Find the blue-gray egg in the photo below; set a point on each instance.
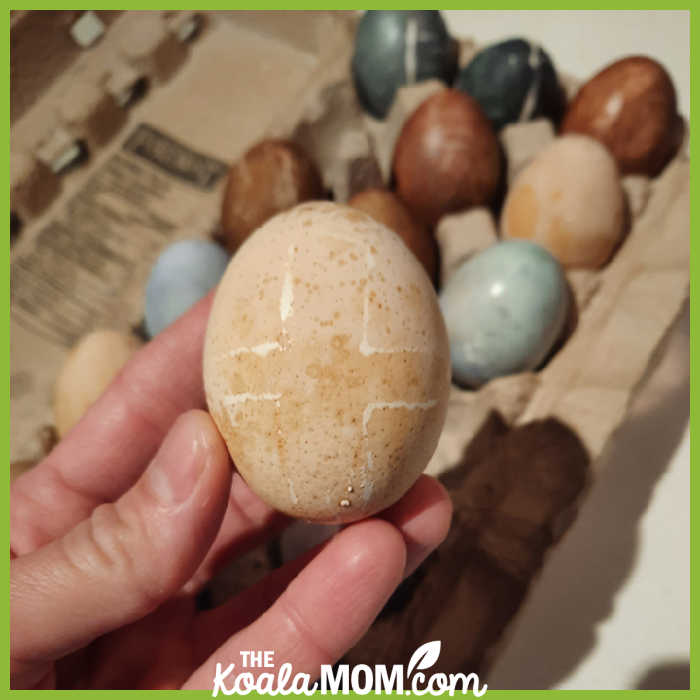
(399, 47)
(504, 309)
(182, 275)
(513, 81)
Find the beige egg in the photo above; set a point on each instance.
(86, 373)
(569, 200)
(326, 363)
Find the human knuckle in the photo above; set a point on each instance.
(116, 547)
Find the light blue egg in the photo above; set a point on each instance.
(504, 309)
(182, 275)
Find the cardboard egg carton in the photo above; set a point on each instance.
(519, 454)
(516, 455)
(122, 146)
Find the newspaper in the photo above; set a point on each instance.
(84, 262)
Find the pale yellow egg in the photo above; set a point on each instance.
(87, 372)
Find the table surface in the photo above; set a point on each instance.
(612, 606)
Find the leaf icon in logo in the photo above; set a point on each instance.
(425, 656)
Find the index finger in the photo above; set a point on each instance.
(108, 449)
(325, 610)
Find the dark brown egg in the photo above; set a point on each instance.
(386, 208)
(271, 177)
(630, 107)
(447, 157)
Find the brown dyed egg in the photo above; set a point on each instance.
(271, 177)
(630, 106)
(326, 363)
(447, 157)
(87, 372)
(386, 208)
(569, 200)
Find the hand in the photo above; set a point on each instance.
(132, 513)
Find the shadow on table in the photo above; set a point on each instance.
(557, 627)
(671, 675)
(510, 491)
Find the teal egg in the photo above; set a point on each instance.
(504, 309)
(513, 81)
(399, 47)
(183, 274)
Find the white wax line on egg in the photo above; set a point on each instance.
(263, 349)
(366, 484)
(534, 59)
(292, 493)
(232, 400)
(530, 102)
(367, 349)
(287, 297)
(410, 58)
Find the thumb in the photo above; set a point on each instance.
(128, 557)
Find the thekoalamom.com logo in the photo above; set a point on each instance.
(341, 680)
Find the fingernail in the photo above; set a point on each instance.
(182, 458)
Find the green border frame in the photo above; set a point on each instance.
(221, 5)
(694, 327)
(694, 357)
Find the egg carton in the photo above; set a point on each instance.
(120, 143)
(516, 455)
(519, 454)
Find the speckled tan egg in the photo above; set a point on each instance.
(326, 363)
(87, 371)
(569, 200)
(388, 209)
